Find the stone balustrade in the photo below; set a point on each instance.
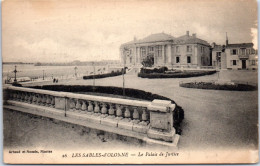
(152, 118)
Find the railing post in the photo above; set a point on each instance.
(161, 120)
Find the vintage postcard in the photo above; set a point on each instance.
(130, 82)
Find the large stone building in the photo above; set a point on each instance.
(166, 50)
(234, 56)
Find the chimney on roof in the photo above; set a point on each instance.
(194, 35)
(187, 33)
(226, 39)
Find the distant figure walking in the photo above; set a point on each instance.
(57, 80)
(54, 80)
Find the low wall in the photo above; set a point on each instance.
(149, 121)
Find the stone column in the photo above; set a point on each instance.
(135, 56)
(146, 50)
(163, 56)
(169, 53)
(140, 55)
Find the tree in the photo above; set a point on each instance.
(148, 61)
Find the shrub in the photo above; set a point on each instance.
(214, 86)
(154, 70)
(184, 74)
(97, 76)
(178, 114)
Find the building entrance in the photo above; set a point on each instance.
(243, 64)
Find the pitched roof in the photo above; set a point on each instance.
(240, 45)
(186, 39)
(156, 37)
(152, 38)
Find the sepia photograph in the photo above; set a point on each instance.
(130, 81)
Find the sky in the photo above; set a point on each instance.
(88, 30)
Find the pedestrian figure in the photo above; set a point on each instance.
(54, 80)
(57, 80)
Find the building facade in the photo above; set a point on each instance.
(235, 56)
(166, 50)
(241, 56)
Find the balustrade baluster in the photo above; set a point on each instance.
(48, 101)
(18, 96)
(14, 96)
(52, 101)
(78, 106)
(39, 99)
(44, 100)
(118, 111)
(26, 97)
(22, 96)
(144, 115)
(90, 107)
(127, 113)
(96, 109)
(11, 95)
(72, 105)
(84, 107)
(136, 115)
(111, 110)
(104, 108)
(34, 98)
(30, 98)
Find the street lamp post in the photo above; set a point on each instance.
(75, 68)
(125, 53)
(15, 71)
(124, 77)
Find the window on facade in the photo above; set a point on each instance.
(202, 49)
(159, 51)
(189, 48)
(253, 62)
(243, 51)
(188, 59)
(234, 51)
(248, 51)
(177, 59)
(177, 49)
(151, 49)
(143, 51)
(234, 62)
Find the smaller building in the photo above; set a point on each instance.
(234, 56)
(241, 56)
(217, 50)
